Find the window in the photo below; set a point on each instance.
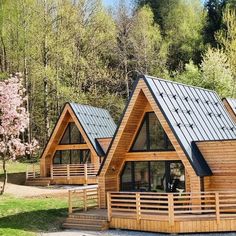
(72, 135)
(72, 157)
(151, 136)
(155, 176)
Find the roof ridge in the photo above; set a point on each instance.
(176, 82)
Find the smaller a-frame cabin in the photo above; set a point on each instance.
(230, 105)
(77, 145)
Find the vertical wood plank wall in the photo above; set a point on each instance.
(141, 102)
(221, 158)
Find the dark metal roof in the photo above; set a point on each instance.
(193, 114)
(232, 104)
(96, 122)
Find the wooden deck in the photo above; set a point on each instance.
(154, 212)
(64, 174)
(173, 213)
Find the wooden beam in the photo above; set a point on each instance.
(71, 147)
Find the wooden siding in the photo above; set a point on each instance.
(141, 102)
(53, 144)
(221, 157)
(104, 143)
(229, 109)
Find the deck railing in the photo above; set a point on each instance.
(83, 198)
(73, 170)
(32, 171)
(171, 206)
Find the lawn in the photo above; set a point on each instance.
(15, 167)
(29, 216)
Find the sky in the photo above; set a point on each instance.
(112, 2)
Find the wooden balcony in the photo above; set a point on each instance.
(74, 174)
(64, 174)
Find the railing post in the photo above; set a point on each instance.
(86, 173)
(51, 171)
(27, 170)
(109, 210)
(171, 209)
(33, 171)
(85, 200)
(68, 171)
(70, 202)
(217, 208)
(138, 207)
(98, 192)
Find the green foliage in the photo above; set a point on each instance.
(24, 217)
(216, 73)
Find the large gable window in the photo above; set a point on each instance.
(151, 136)
(72, 135)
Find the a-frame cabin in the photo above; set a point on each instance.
(230, 105)
(172, 155)
(77, 145)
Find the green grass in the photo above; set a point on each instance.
(16, 167)
(29, 216)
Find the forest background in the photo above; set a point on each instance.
(82, 51)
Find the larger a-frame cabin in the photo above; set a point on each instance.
(171, 166)
(77, 145)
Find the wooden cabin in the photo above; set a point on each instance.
(171, 165)
(77, 145)
(230, 105)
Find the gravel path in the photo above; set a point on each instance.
(32, 191)
(123, 233)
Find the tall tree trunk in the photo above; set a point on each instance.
(4, 175)
(45, 58)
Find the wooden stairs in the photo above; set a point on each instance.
(39, 181)
(86, 221)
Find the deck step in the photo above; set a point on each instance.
(86, 222)
(38, 182)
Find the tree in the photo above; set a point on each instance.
(14, 121)
(227, 39)
(216, 72)
(149, 51)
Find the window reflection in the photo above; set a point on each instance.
(155, 176)
(151, 136)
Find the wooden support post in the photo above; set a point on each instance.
(109, 211)
(70, 202)
(33, 171)
(68, 171)
(98, 192)
(86, 173)
(217, 208)
(51, 171)
(138, 207)
(85, 200)
(171, 209)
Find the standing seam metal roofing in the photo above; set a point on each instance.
(232, 104)
(96, 122)
(194, 114)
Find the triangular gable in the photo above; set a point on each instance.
(230, 105)
(65, 118)
(188, 154)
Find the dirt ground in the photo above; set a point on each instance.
(32, 191)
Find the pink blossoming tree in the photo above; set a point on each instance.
(13, 122)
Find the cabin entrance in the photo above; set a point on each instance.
(153, 176)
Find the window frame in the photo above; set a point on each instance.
(81, 138)
(165, 137)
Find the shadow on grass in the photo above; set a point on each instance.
(35, 221)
